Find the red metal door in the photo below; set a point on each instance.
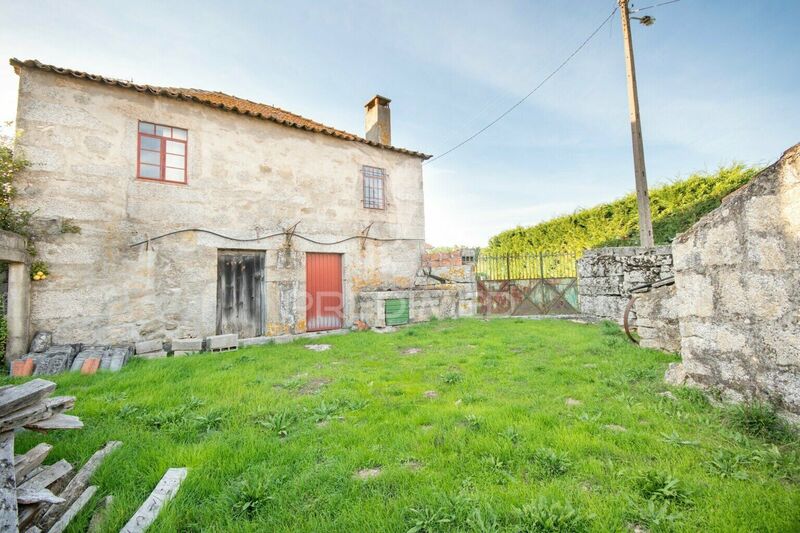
(324, 292)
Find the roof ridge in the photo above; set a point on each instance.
(223, 101)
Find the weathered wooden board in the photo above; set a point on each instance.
(31, 496)
(29, 414)
(49, 475)
(25, 463)
(73, 510)
(8, 483)
(100, 514)
(77, 485)
(60, 421)
(13, 398)
(164, 492)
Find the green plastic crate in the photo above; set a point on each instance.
(396, 311)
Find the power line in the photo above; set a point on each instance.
(654, 5)
(545, 80)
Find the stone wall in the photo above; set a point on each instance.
(423, 304)
(430, 297)
(737, 273)
(605, 275)
(655, 314)
(246, 178)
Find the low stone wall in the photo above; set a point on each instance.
(605, 276)
(737, 273)
(656, 316)
(423, 304)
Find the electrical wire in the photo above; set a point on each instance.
(254, 239)
(545, 80)
(654, 5)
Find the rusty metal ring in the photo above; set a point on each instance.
(625, 321)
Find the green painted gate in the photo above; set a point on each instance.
(396, 311)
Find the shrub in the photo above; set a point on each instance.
(675, 208)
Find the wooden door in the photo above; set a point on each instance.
(240, 293)
(324, 292)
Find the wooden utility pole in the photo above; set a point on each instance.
(642, 196)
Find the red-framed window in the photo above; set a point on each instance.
(374, 181)
(161, 153)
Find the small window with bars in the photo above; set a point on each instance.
(374, 182)
(162, 153)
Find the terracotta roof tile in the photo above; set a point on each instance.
(218, 100)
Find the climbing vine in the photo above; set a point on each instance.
(15, 220)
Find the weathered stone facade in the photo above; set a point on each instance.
(247, 178)
(656, 318)
(737, 274)
(606, 275)
(428, 299)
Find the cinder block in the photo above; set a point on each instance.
(144, 347)
(152, 355)
(187, 346)
(219, 343)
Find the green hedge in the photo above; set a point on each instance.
(675, 208)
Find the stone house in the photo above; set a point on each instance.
(203, 213)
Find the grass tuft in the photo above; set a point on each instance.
(761, 420)
(549, 516)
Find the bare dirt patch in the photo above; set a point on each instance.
(368, 473)
(313, 386)
(318, 347)
(572, 402)
(411, 351)
(412, 465)
(430, 394)
(615, 427)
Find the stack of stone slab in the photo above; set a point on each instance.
(48, 358)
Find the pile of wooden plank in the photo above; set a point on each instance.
(33, 497)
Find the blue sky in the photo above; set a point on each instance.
(718, 81)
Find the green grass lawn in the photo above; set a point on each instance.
(473, 432)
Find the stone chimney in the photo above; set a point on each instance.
(378, 120)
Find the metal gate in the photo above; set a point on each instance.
(240, 293)
(528, 284)
(324, 292)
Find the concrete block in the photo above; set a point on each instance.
(152, 355)
(149, 346)
(217, 343)
(187, 345)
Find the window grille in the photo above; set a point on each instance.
(374, 182)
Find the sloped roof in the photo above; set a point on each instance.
(217, 100)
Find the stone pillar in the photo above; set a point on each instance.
(18, 312)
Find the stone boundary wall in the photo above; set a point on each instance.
(605, 275)
(737, 273)
(442, 259)
(656, 317)
(428, 299)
